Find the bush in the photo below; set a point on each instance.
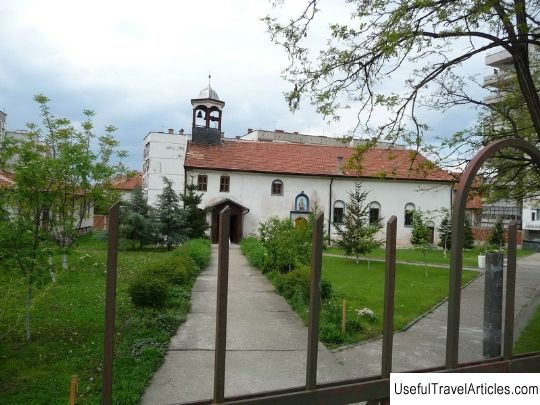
(198, 249)
(255, 252)
(146, 291)
(295, 285)
(179, 270)
(286, 245)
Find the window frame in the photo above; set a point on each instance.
(374, 205)
(408, 214)
(227, 183)
(338, 205)
(276, 182)
(201, 183)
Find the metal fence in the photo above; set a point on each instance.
(373, 390)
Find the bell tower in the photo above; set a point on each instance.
(207, 115)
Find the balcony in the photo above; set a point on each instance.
(499, 58)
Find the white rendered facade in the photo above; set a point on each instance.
(164, 155)
(253, 191)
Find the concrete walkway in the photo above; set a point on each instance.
(423, 345)
(266, 341)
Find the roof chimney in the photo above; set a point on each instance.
(249, 130)
(171, 131)
(339, 164)
(181, 132)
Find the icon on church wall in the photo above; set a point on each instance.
(302, 202)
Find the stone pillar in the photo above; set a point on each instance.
(493, 297)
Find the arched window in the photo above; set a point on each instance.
(277, 187)
(430, 225)
(374, 213)
(339, 211)
(301, 202)
(409, 209)
(224, 183)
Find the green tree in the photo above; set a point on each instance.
(135, 220)
(60, 172)
(195, 216)
(468, 238)
(445, 233)
(496, 236)
(421, 45)
(420, 234)
(356, 234)
(172, 219)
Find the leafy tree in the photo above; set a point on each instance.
(195, 216)
(445, 233)
(421, 45)
(59, 173)
(468, 238)
(496, 236)
(286, 244)
(356, 234)
(420, 234)
(136, 221)
(172, 219)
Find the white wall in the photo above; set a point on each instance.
(253, 190)
(164, 156)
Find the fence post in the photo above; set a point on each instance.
(221, 305)
(510, 291)
(314, 302)
(73, 390)
(110, 304)
(493, 304)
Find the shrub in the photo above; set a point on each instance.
(255, 252)
(295, 285)
(175, 270)
(146, 291)
(198, 249)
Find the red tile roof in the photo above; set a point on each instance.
(6, 179)
(311, 160)
(128, 183)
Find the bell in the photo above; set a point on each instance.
(199, 114)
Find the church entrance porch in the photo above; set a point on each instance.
(236, 220)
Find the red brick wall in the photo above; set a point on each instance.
(482, 235)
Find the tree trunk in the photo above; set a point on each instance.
(28, 318)
(64, 261)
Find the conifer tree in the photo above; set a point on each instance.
(171, 217)
(468, 238)
(356, 234)
(195, 217)
(420, 234)
(445, 233)
(136, 224)
(496, 236)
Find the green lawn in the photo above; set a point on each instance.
(435, 256)
(529, 341)
(67, 321)
(415, 293)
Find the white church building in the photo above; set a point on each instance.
(276, 173)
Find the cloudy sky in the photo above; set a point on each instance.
(137, 64)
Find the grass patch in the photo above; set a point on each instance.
(68, 330)
(433, 256)
(363, 288)
(529, 341)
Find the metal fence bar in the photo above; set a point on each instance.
(221, 305)
(110, 304)
(389, 288)
(510, 300)
(314, 302)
